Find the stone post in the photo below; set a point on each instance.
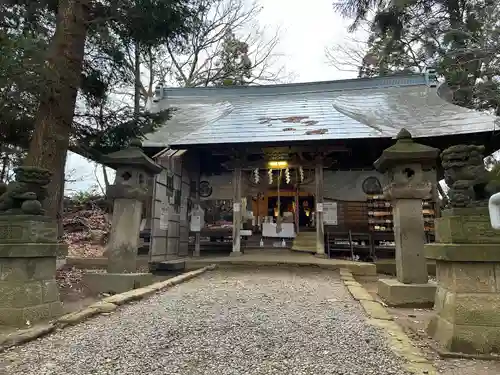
(467, 255)
(128, 193)
(404, 165)
(28, 251)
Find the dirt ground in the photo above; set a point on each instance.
(73, 293)
(414, 323)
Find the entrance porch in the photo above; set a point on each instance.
(273, 257)
(277, 195)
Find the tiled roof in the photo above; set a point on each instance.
(350, 109)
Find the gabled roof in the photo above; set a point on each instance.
(348, 109)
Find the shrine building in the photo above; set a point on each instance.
(292, 165)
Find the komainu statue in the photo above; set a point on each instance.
(26, 194)
(466, 176)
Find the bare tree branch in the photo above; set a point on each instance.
(201, 64)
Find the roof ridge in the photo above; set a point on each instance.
(296, 88)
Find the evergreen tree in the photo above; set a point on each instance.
(458, 38)
(44, 72)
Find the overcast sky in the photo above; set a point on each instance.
(306, 30)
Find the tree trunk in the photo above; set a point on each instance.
(54, 117)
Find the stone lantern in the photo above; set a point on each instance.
(404, 164)
(130, 190)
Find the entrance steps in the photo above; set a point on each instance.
(305, 242)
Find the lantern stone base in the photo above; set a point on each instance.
(467, 303)
(28, 253)
(115, 283)
(466, 323)
(395, 293)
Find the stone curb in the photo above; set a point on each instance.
(396, 338)
(454, 355)
(104, 306)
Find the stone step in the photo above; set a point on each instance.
(308, 245)
(304, 245)
(306, 235)
(304, 240)
(304, 250)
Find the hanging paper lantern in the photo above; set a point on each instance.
(270, 173)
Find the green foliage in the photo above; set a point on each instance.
(235, 66)
(459, 39)
(101, 121)
(152, 22)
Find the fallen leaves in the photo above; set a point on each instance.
(86, 232)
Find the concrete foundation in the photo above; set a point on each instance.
(395, 293)
(115, 283)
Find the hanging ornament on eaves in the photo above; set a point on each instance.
(256, 176)
(287, 175)
(301, 174)
(270, 173)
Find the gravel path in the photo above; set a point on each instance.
(264, 321)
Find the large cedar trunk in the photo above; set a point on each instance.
(49, 145)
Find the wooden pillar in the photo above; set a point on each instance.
(320, 236)
(297, 201)
(236, 211)
(197, 235)
(297, 210)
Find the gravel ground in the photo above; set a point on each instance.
(264, 321)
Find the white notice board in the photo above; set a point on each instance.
(164, 218)
(330, 216)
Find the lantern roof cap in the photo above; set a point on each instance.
(133, 156)
(406, 151)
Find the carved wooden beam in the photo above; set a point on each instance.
(294, 162)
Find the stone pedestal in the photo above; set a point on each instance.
(128, 192)
(467, 303)
(403, 164)
(411, 266)
(28, 251)
(121, 275)
(411, 287)
(395, 293)
(124, 236)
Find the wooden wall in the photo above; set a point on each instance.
(173, 242)
(350, 216)
(161, 195)
(347, 185)
(338, 185)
